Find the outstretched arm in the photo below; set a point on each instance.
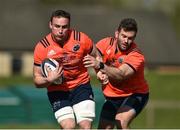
(119, 74)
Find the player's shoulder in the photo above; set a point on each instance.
(107, 41)
(134, 49)
(79, 35)
(135, 52)
(44, 42)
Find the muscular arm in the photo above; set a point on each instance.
(119, 74)
(39, 80)
(43, 82)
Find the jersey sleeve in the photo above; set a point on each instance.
(39, 54)
(102, 45)
(88, 43)
(135, 60)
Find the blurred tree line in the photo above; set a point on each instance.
(84, 2)
(169, 7)
(176, 19)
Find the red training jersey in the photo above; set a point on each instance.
(70, 56)
(134, 58)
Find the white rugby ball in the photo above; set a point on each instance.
(51, 64)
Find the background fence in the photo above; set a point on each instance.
(29, 105)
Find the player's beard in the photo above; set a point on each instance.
(124, 46)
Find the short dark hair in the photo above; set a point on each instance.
(128, 24)
(60, 13)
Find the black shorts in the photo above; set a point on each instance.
(60, 99)
(111, 105)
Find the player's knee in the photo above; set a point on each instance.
(122, 122)
(85, 124)
(124, 118)
(64, 115)
(84, 110)
(68, 124)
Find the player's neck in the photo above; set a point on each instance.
(60, 42)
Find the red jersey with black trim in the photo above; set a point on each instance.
(70, 56)
(134, 58)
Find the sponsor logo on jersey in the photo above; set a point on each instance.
(108, 51)
(76, 47)
(51, 52)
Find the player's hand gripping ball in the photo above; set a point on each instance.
(51, 65)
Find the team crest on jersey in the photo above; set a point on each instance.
(76, 47)
(120, 59)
